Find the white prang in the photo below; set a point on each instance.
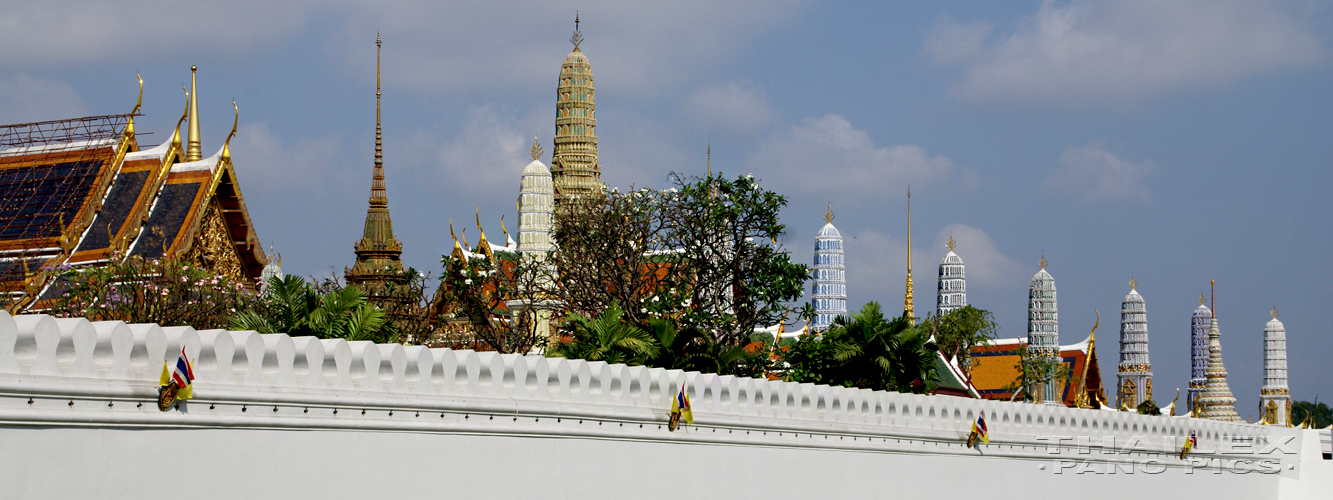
(952, 291)
(536, 206)
(1274, 390)
(1135, 371)
(830, 288)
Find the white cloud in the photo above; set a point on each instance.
(266, 164)
(56, 34)
(827, 156)
(986, 266)
(729, 108)
(28, 99)
(1093, 174)
(1121, 52)
(876, 270)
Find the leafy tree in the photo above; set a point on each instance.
(504, 300)
(606, 338)
(291, 305)
(136, 290)
(867, 351)
(703, 254)
(1033, 370)
(958, 331)
(692, 350)
(1149, 407)
(1301, 410)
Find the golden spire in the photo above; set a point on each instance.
(1202, 300)
(578, 37)
(1042, 262)
(712, 190)
(949, 244)
(1274, 313)
(535, 150)
(828, 214)
(192, 148)
(909, 310)
(378, 252)
(1133, 284)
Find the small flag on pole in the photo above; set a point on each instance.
(680, 407)
(1190, 443)
(176, 381)
(979, 433)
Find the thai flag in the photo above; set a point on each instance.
(979, 427)
(181, 372)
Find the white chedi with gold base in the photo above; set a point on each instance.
(1274, 396)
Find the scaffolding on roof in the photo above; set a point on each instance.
(50, 173)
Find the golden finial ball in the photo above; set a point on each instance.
(193, 68)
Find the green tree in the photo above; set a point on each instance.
(1032, 370)
(1319, 413)
(959, 330)
(606, 338)
(291, 305)
(866, 351)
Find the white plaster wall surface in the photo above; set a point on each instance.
(275, 417)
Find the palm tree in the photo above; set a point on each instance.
(880, 354)
(295, 308)
(607, 338)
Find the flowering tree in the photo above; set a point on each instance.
(137, 290)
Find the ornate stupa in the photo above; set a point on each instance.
(377, 252)
(952, 291)
(830, 288)
(1043, 332)
(271, 270)
(909, 309)
(1216, 402)
(536, 203)
(1274, 397)
(574, 167)
(1200, 323)
(1135, 372)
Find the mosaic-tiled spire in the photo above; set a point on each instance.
(1135, 371)
(1200, 323)
(574, 167)
(952, 290)
(377, 252)
(909, 308)
(1274, 397)
(1043, 333)
(830, 287)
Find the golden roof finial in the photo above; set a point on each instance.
(909, 309)
(1202, 299)
(1042, 261)
(504, 230)
(1092, 337)
(950, 244)
(226, 146)
(451, 230)
(193, 151)
(578, 37)
(139, 104)
(1274, 313)
(1133, 284)
(536, 150)
(828, 214)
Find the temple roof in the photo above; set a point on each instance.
(995, 366)
(81, 191)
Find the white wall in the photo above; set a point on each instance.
(277, 417)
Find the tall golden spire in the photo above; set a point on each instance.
(909, 310)
(575, 171)
(192, 148)
(378, 253)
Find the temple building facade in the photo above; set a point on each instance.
(1200, 323)
(952, 290)
(378, 254)
(1043, 343)
(82, 192)
(574, 167)
(1135, 371)
(1274, 396)
(830, 288)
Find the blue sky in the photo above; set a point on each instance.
(1177, 142)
